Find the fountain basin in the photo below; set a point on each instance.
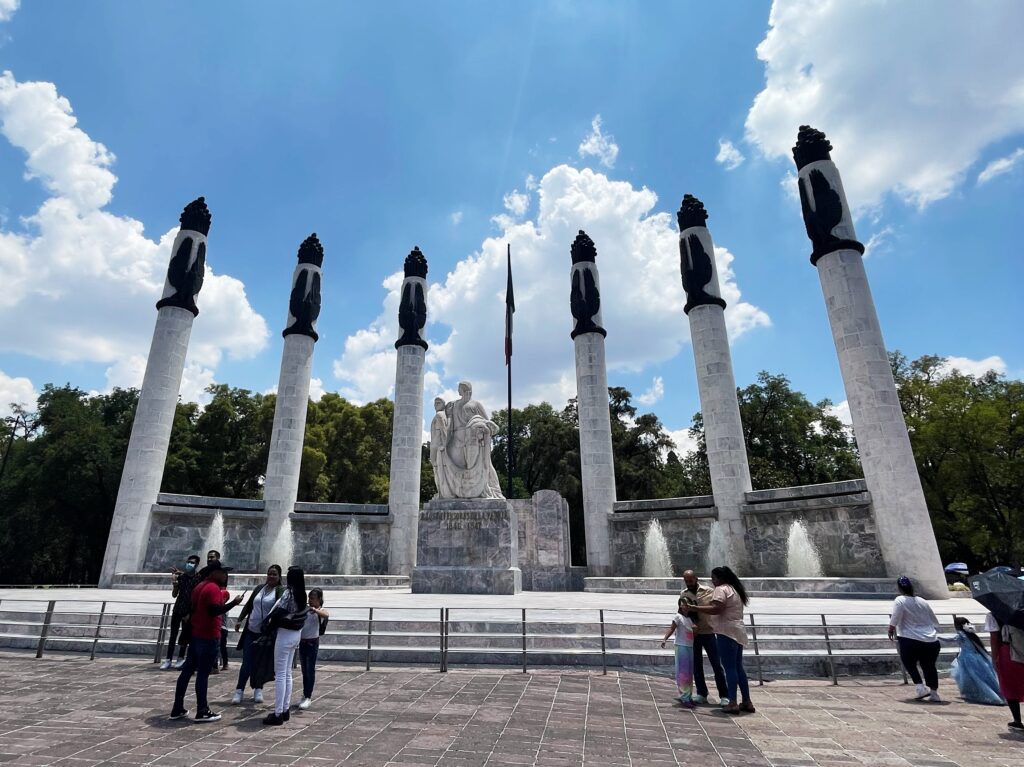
(811, 588)
(236, 581)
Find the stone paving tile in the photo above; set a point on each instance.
(66, 710)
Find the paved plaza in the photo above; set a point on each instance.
(66, 710)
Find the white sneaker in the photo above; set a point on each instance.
(165, 665)
(180, 663)
(305, 703)
(921, 692)
(236, 698)
(723, 702)
(257, 696)
(699, 699)
(933, 696)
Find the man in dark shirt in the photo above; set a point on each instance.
(182, 583)
(208, 609)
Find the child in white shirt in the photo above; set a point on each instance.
(682, 627)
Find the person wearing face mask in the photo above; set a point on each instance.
(183, 581)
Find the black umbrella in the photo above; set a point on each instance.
(1002, 594)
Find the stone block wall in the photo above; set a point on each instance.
(838, 516)
(685, 523)
(181, 526)
(839, 520)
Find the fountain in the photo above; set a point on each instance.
(802, 559)
(215, 536)
(718, 549)
(350, 561)
(657, 563)
(281, 550)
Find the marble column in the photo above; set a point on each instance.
(158, 397)
(281, 487)
(723, 431)
(905, 532)
(597, 464)
(407, 428)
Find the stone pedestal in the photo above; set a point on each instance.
(467, 547)
(147, 446)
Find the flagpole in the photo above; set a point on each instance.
(509, 360)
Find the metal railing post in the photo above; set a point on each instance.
(604, 660)
(96, 635)
(164, 616)
(524, 639)
(447, 634)
(828, 649)
(757, 652)
(369, 638)
(440, 639)
(46, 628)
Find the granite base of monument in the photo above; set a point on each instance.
(467, 547)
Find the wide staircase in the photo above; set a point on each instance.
(802, 644)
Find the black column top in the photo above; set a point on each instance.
(811, 146)
(311, 251)
(416, 264)
(583, 249)
(691, 213)
(196, 217)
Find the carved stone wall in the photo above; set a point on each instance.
(544, 541)
(685, 522)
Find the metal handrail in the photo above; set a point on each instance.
(53, 618)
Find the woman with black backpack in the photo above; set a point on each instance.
(287, 618)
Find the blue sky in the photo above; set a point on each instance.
(461, 126)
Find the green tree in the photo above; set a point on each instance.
(968, 440)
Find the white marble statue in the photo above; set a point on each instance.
(460, 448)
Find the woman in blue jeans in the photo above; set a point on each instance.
(252, 617)
(309, 644)
(726, 611)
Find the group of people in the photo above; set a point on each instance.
(710, 622)
(278, 621)
(980, 678)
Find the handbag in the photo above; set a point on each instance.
(282, 618)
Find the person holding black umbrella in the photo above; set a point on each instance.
(1002, 593)
(1009, 663)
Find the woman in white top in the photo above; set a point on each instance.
(253, 616)
(914, 625)
(289, 616)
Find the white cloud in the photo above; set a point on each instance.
(316, 389)
(908, 104)
(970, 367)
(878, 241)
(7, 9)
(653, 394)
(728, 155)
(455, 217)
(685, 444)
(530, 183)
(516, 203)
(1001, 166)
(642, 299)
(80, 283)
(16, 391)
(599, 144)
(841, 410)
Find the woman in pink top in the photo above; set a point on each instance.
(726, 611)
